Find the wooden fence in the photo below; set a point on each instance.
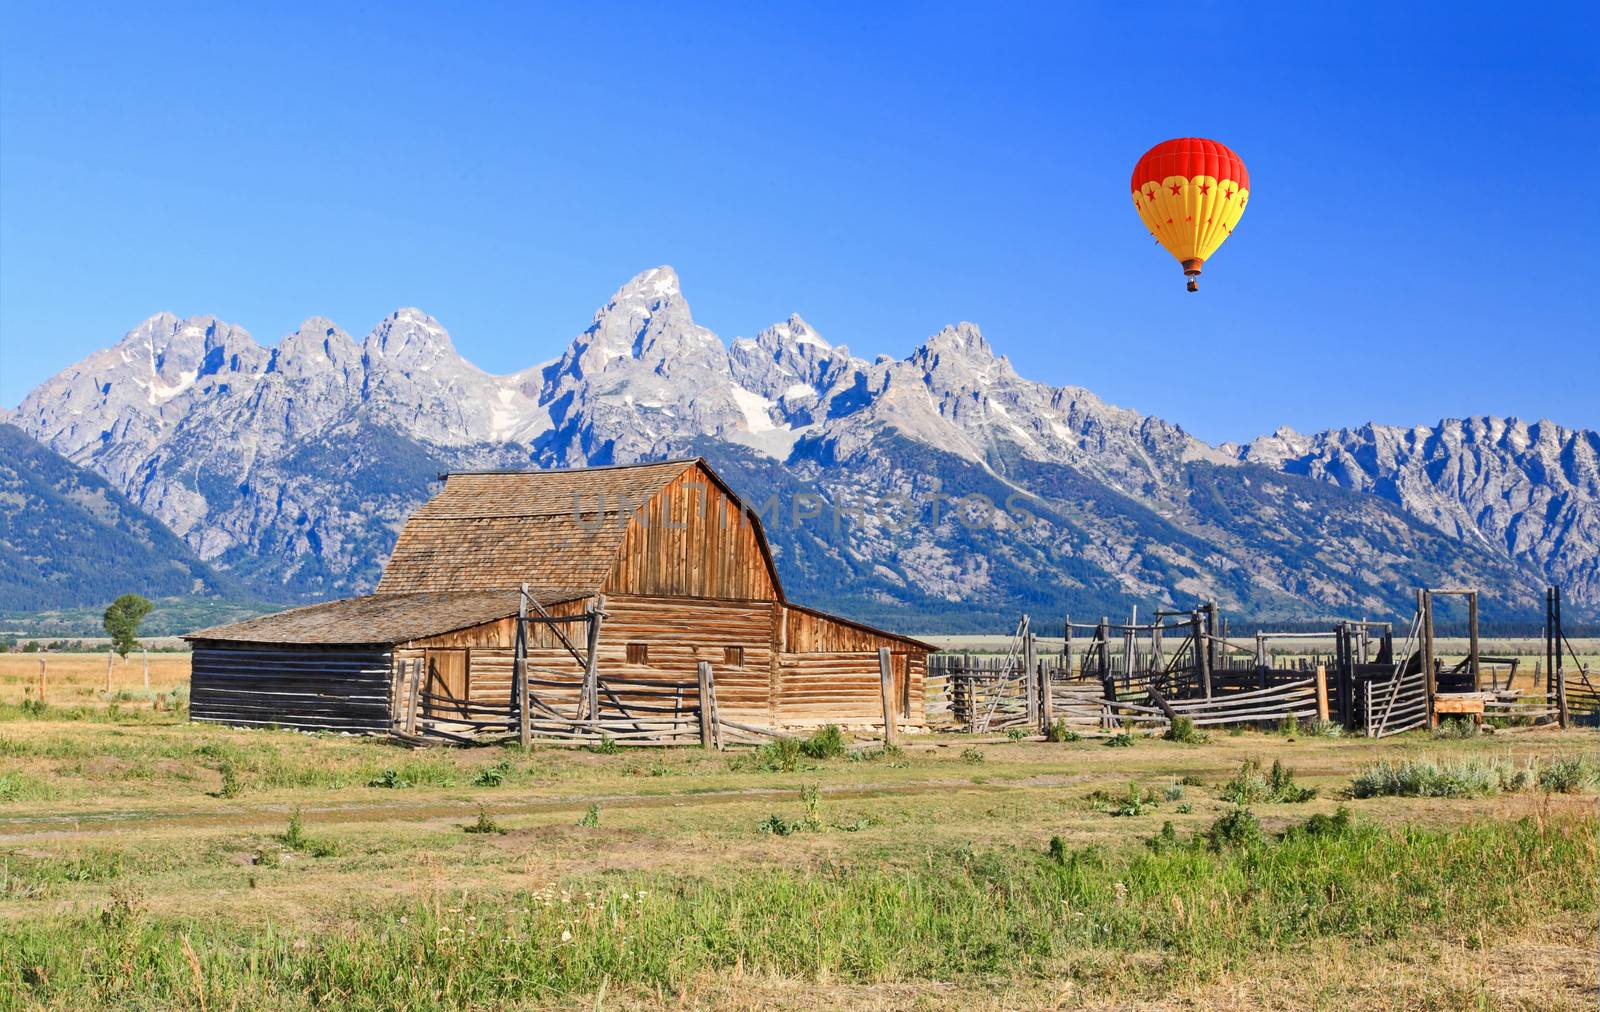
(991, 693)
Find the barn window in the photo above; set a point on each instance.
(733, 655)
(638, 653)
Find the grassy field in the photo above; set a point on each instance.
(78, 681)
(149, 863)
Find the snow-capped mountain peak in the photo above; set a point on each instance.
(217, 436)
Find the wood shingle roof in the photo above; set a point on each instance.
(494, 530)
(379, 619)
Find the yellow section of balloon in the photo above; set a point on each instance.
(1191, 217)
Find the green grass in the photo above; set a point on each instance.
(954, 915)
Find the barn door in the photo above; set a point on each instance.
(900, 671)
(446, 683)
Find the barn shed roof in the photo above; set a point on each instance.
(380, 619)
(492, 529)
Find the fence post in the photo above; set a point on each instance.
(707, 728)
(1202, 652)
(886, 682)
(1429, 676)
(41, 679)
(1030, 679)
(146, 652)
(1474, 655)
(1047, 703)
(519, 672)
(110, 655)
(1560, 639)
(412, 699)
(1066, 646)
(1213, 651)
(591, 673)
(1322, 692)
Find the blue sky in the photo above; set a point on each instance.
(1419, 242)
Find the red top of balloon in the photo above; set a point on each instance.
(1189, 157)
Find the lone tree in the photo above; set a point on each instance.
(122, 621)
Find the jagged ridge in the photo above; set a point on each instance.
(293, 466)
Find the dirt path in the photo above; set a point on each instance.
(22, 829)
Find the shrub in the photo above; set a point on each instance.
(1289, 726)
(1282, 788)
(1174, 792)
(1434, 778)
(1183, 730)
(1058, 850)
(1456, 727)
(1322, 825)
(605, 746)
(1016, 734)
(811, 797)
(776, 825)
(34, 707)
(1326, 729)
(484, 824)
(972, 756)
(1166, 840)
(1237, 829)
(1075, 859)
(389, 778)
(1134, 802)
(894, 753)
(1566, 776)
(827, 742)
(1060, 732)
(295, 838)
(492, 776)
(591, 817)
(232, 786)
(780, 755)
(1191, 780)
(1250, 786)
(1121, 739)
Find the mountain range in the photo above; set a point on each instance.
(942, 491)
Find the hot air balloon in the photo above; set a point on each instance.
(1190, 194)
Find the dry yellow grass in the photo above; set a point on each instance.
(80, 679)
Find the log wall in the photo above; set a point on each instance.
(311, 689)
(828, 672)
(832, 678)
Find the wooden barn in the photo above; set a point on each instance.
(633, 576)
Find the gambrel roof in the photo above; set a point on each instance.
(493, 530)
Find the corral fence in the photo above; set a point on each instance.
(1186, 665)
(1124, 677)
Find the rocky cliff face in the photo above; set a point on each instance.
(1528, 490)
(940, 488)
